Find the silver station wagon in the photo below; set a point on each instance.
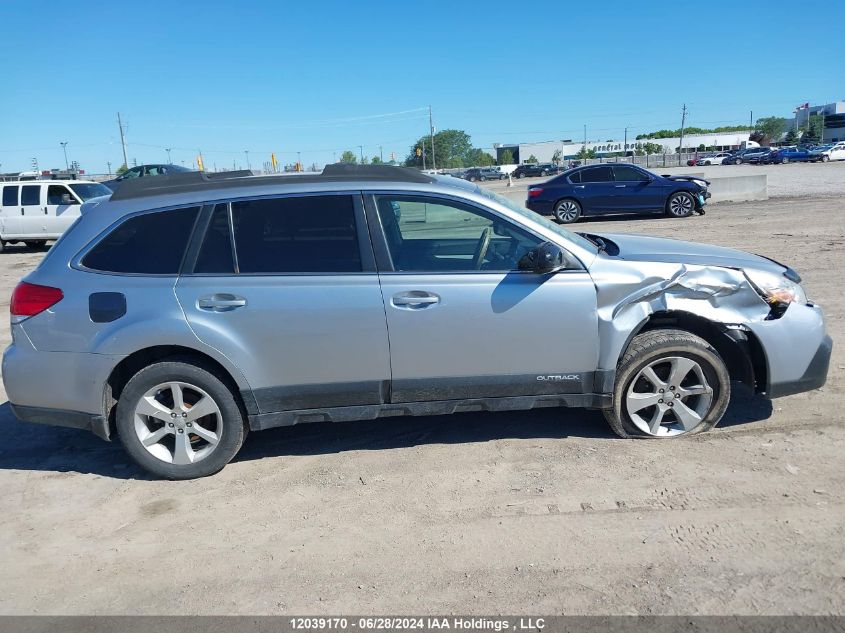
(183, 311)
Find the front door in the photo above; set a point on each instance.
(297, 304)
(61, 210)
(634, 190)
(463, 321)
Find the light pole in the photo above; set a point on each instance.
(299, 161)
(167, 149)
(64, 149)
(361, 149)
(248, 166)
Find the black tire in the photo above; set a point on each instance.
(680, 205)
(521, 176)
(567, 211)
(824, 158)
(2, 245)
(35, 243)
(651, 346)
(483, 178)
(232, 432)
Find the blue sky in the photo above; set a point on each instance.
(321, 77)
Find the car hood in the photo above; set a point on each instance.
(659, 249)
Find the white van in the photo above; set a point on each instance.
(33, 212)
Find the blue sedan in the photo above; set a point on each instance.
(617, 188)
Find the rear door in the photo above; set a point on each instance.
(33, 210)
(635, 190)
(464, 322)
(296, 305)
(61, 210)
(597, 190)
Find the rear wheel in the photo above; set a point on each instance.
(35, 243)
(521, 175)
(668, 383)
(179, 421)
(680, 205)
(825, 158)
(567, 211)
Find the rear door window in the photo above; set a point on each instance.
(10, 196)
(152, 243)
(297, 234)
(30, 195)
(597, 174)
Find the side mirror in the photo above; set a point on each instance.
(545, 259)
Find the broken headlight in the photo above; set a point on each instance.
(776, 289)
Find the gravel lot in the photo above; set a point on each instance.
(542, 512)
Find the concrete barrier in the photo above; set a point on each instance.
(739, 188)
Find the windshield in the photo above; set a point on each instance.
(536, 217)
(86, 191)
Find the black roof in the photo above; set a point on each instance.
(187, 182)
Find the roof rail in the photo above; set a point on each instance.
(186, 182)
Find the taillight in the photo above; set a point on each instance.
(31, 299)
(533, 193)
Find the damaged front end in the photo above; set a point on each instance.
(761, 323)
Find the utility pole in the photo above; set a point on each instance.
(683, 122)
(431, 134)
(167, 149)
(64, 149)
(109, 164)
(122, 139)
(626, 143)
(248, 165)
(361, 149)
(380, 153)
(299, 161)
(751, 120)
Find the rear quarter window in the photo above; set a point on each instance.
(152, 243)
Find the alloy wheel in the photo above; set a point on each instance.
(669, 396)
(567, 211)
(681, 205)
(178, 423)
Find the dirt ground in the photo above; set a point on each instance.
(524, 513)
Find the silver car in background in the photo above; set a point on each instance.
(183, 311)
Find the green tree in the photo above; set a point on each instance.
(349, 158)
(506, 157)
(477, 157)
(813, 132)
(532, 159)
(585, 153)
(121, 170)
(791, 137)
(557, 157)
(376, 160)
(451, 149)
(770, 128)
(652, 148)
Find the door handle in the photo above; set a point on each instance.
(414, 300)
(621, 186)
(578, 187)
(223, 302)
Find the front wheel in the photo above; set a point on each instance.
(179, 420)
(668, 383)
(825, 158)
(680, 205)
(521, 176)
(567, 211)
(35, 243)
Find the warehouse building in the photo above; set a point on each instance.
(545, 151)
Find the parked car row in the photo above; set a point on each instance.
(773, 155)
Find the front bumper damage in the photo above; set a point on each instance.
(794, 344)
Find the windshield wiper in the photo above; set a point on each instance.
(595, 239)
